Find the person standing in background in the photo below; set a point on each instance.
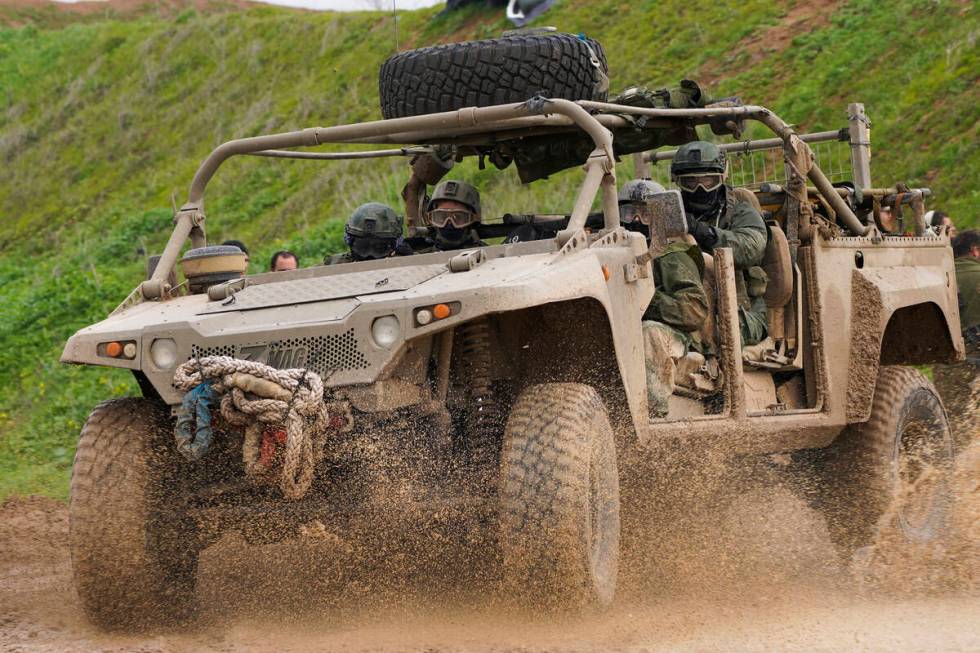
(959, 384)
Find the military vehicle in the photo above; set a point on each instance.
(507, 380)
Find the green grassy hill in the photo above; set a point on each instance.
(103, 121)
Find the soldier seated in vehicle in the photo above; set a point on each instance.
(679, 306)
(936, 220)
(373, 231)
(240, 245)
(716, 217)
(453, 212)
(283, 261)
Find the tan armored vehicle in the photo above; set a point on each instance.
(506, 380)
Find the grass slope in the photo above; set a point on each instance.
(55, 15)
(103, 121)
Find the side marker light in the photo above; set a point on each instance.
(117, 349)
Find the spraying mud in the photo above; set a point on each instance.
(753, 571)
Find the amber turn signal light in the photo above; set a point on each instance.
(441, 311)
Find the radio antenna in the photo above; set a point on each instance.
(394, 20)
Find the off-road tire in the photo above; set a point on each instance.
(134, 555)
(490, 72)
(559, 498)
(863, 488)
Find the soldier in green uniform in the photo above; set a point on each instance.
(959, 384)
(716, 218)
(373, 231)
(966, 250)
(453, 212)
(679, 306)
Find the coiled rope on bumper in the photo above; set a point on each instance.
(256, 396)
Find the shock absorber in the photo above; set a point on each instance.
(484, 416)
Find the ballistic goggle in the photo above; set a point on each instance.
(630, 212)
(458, 218)
(707, 181)
(372, 247)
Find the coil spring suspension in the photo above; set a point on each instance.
(484, 417)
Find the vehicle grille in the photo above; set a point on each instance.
(320, 354)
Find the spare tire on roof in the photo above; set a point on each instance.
(493, 71)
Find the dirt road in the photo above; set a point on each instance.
(759, 577)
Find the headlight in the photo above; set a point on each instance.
(386, 331)
(163, 352)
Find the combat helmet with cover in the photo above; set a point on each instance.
(639, 190)
(634, 211)
(698, 156)
(699, 169)
(373, 219)
(458, 191)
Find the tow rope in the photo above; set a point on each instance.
(261, 399)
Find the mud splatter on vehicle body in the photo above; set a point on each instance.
(502, 387)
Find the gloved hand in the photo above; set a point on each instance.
(704, 235)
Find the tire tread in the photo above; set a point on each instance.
(120, 578)
(544, 489)
(489, 72)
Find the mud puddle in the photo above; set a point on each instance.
(756, 574)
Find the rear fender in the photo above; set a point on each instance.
(901, 315)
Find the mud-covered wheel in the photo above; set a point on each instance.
(559, 498)
(490, 72)
(894, 471)
(134, 555)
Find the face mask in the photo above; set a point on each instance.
(452, 235)
(701, 201)
(639, 228)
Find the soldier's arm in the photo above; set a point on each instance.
(746, 236)
(682, 303)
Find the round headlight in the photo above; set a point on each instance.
(386, 331)
(163, 352)
(423, 316)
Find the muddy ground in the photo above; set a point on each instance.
(756, 575)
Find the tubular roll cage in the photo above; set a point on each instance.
(476, 126)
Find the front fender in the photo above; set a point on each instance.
(598, 273)
(601, 275)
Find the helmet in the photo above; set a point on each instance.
(633, 208)
(699, 169)
(457, 191)
(374, 219)
(698, 156)
(637, 190)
